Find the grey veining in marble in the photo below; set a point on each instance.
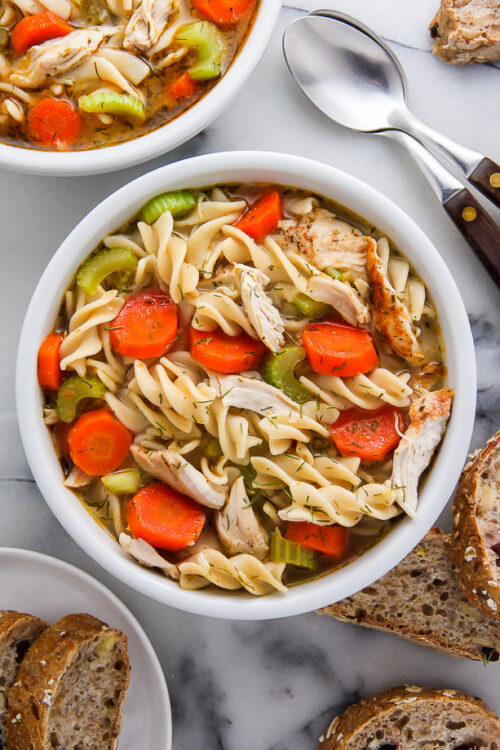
(271, 685)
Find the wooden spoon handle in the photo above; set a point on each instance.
(479, 229)
(486, 177)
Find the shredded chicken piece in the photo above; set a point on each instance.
(253, 394)
(238, 527)
(428, 417)
(326, 241)
(147, 23)
(147, 555)
(340, 296)
(172, 468)
(77, 478)
(390, 315)
(57, 56)
(262, 314)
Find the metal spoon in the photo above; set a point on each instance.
(353, 77)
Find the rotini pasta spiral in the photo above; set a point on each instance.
(365, 391)
(241, 571)
(83, 339)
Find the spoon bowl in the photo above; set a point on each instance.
(350, 76)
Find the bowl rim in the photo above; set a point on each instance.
(166, 137)
(258, 167)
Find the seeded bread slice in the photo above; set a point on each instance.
(70, 688)
(17, 633)
(421, 601)
(414, 718)
(475, 545)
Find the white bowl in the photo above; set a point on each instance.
(165, 138)
(248, 167)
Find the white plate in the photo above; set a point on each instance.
(50, 588)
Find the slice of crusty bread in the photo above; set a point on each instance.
(420, 600)
(475, 545)
(17, 633)
(414, 718)
(70, 688)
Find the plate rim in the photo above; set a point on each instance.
(56, 563)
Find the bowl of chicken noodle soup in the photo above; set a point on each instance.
(246, 384)
(120, 80)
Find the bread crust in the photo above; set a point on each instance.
(344, 728)
(466, 31)
(39, 676)
(477, 577)
(354, 609)
(9, 619)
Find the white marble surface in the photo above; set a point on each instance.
(274, 685)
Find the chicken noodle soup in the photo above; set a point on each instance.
(245, 386)
(86, 73)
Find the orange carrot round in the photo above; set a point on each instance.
(164, 518)
(146, 325)
(223, 353)
(36, 29)
(181, 89)
(339, 349)
(98, 442)
(54, 122)
(49, 374)
(370, 435)
(223, 12)
(262, 217)
(330, 540)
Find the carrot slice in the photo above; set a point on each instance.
(36, 29)
(223, 353)
(339, 349)
(330, 540)
(164, 518)
(262, 217)
(98, 442)
(60, 432)
(146, 326)
(182, 88)
(49, 374)
(370, 435)
(223, 12)
(54, 122)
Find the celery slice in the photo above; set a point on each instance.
(72, 391)
(310, 307)
(101, 264)
(124, 482)
(111, 102)
(292, 553)
(334, 273)
(279, 370)
(208, 42)
(178, 202)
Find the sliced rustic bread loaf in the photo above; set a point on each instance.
(17, 633)
(70, 688)
(476, 529)
(414, 718)
(420, 600)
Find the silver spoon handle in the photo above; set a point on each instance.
(468, 215)
(481, 171)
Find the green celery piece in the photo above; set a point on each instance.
(72, 391)
(334, 273)
(208, 42)
(310, 307)
(101, 264)
(111, 102)
(279, 370)
(212, 450)
(292, 553)
(124, 482)
(178, 202)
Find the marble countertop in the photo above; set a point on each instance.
(270, 685)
